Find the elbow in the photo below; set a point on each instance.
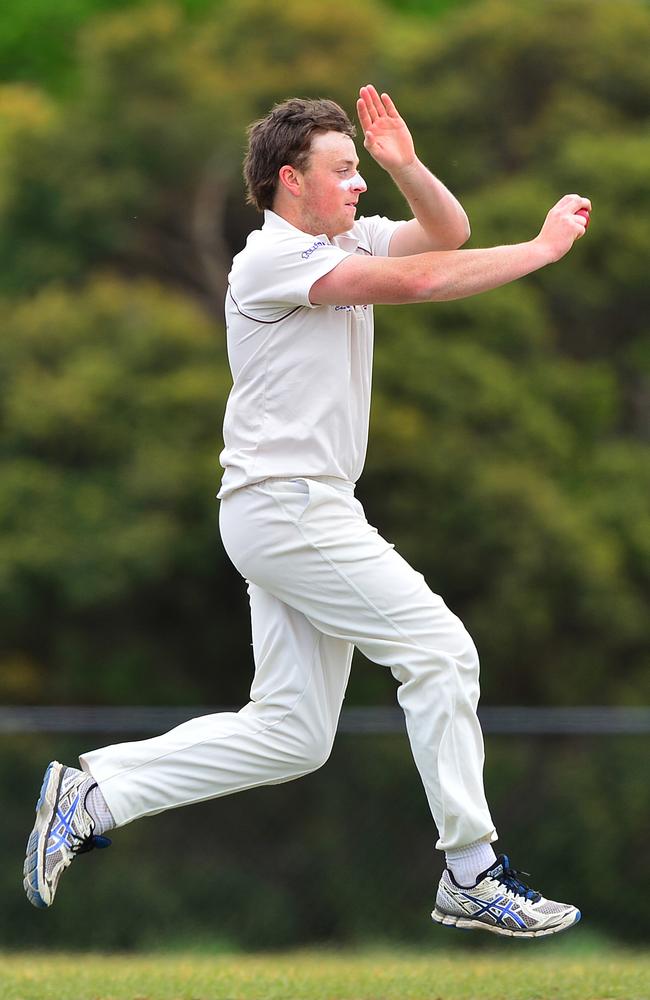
(437, 290)
(463, 233)
(423, 288)
(467, 232)
(437, 286)
(456, 236)
(459, 231)
(428, 282)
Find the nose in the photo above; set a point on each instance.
(357, 183)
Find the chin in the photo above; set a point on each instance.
(346, 224)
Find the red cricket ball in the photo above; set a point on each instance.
(584, 212)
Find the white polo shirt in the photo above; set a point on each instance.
(300, 402)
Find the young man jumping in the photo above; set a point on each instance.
(321, 580)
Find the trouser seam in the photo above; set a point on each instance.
(386, 618)
(215, 739)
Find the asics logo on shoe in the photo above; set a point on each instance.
(496, 908)
(62, 827)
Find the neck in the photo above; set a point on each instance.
(298, 220)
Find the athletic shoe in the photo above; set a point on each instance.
(501, 903)
(63, 829)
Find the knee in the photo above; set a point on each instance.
(463, 665)
(457, 644)
(468, 656)
(315, 751)
(297, 743)
(451, 655)
(306, 749)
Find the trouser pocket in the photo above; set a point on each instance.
(293, 495)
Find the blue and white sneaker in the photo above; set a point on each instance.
(501, 903)
(63, 829)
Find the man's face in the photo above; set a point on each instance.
(331, 185)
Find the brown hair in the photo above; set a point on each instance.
(284, 136)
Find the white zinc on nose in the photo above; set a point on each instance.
(355, 183)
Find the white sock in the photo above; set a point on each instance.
(96, 805)
(467, 863)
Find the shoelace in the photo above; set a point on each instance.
(511, 880)
(90, 843)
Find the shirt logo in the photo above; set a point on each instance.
(306, 254)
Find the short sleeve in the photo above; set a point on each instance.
(272, 276)
(376, 232)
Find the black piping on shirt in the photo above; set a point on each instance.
(254, 319)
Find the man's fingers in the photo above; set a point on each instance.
(390, 107)
(373, 102)
(366, 97)
(375, 106)
(376, 101)
(364, 115)
(574, 202)
(368, 104)
(582, 218)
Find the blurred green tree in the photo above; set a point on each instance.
(37, 39)
(130, 172)
(496, 88)
(110, 577)
(492, 461)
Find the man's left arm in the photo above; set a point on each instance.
(439, 222)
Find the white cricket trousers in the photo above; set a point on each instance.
(321, 581)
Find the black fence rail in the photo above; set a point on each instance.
(516, 720)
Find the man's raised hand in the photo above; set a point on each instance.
(386, 135)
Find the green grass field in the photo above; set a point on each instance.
(521, 973)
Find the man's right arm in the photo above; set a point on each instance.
(450, 274)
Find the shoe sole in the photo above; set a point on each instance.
(35, 884)
(467, 924)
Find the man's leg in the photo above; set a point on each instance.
(285, 731)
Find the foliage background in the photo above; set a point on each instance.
(509, 456)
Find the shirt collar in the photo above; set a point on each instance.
(346, 241)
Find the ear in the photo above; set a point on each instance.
(291, 179)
